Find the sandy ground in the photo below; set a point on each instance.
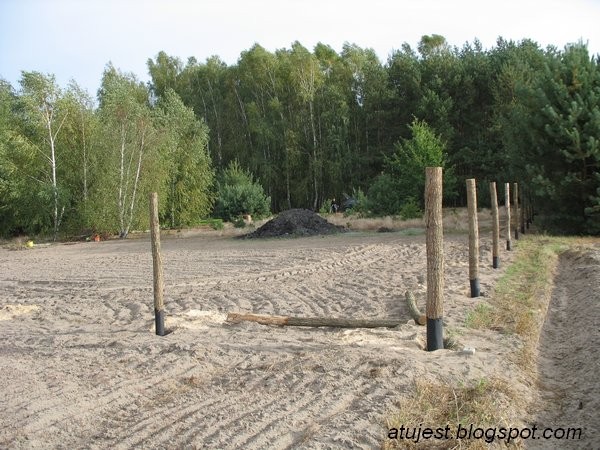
(82, 367)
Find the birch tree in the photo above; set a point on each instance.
(308, 78)
(42, 97)
(131, 138)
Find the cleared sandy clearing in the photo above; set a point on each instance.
(81, 366)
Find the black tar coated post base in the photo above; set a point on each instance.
(475, 290)
(159, 321)
(435, 334)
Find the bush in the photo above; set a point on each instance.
(325, 207)
(359, 203)
(383, 197)
(410, 210)
(238, 195)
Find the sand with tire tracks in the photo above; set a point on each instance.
(82, 368)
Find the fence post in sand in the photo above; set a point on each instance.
(516, 202)
(473, 237)
(524, 207)
(435, 258)
(508, 218)
(496, 227)
(159, 308)
(530, 212)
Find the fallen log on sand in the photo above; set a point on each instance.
(418, 316)
(266, 319)
(312, 321)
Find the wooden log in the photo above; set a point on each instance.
(265, 319)
(159, 311)
(473, 237)
(418, 316)
(434, 243)
(496, 227)
(508, 218)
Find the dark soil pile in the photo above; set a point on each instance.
(295, 222)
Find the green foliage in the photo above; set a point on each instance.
(190, 174)
(410, 210)
(132, 165)
(239, 222)
(402, 183)
(361, 205)
(310, 124)
(238, 194)
(384, 197)
(553, 130)
(326, 206)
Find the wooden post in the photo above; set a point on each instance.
(496, 227)
(516, 202)
(508, 218)
(473, 237)
(523, 209)
(434, 242)
(159, 311)
(531, 211)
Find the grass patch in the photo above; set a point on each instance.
(437, 404)
(522, 295)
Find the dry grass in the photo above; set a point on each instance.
(437, 404)
(455, 220)
(373, 224)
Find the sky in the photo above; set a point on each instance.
(75, 39)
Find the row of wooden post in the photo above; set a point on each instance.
(434, 242)
(523, 217)
(434, 248)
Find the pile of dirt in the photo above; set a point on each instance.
(295, 222)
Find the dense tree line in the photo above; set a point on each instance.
(309, 126)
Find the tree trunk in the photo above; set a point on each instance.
(121, 199)
(135, 185)
(315, 164)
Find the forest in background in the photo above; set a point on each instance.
(304, 127)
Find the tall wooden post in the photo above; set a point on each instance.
(435, 258)
(523, 209)
(473, 237)
(516, 202)
(508, 218)
(159, 308)
(496, 227)
(531, 211)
